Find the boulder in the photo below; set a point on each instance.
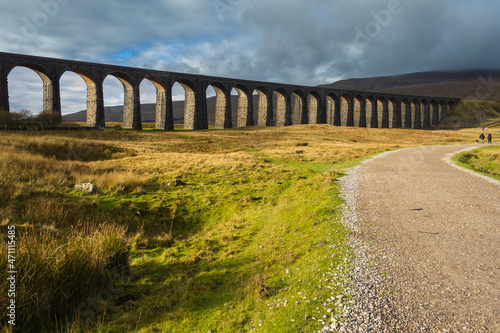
(86, 187)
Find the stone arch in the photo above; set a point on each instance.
(73, 93)
(345, 110)
(382, 113)
(191, 118)
(371, 112)
(95, 99)
(415, 114)
(51, 95)
(164, 118)
(394, 113)
(245, 106)
(131, 103)
(282, 108)
(332, 106)
(314, 108)
(22, 81)
(265, 107)
(406, 119)
(222, 106)
(359, 114)
(299, 108)
(425, 114)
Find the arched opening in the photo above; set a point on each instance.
(282, 109)
(371, 112)
(314, 109)
(26, 90)
(113, 99)
(178, 97)
(415, 114)
(425, 114)
(244, 101)
(156, 105)
(187, 109)
(406, 113)
(394, 114)
(219, 106)
(331, 109)
(92, 103)
(358, 112)
(264, 107)
(434, 113)
(147, 91)
(382, 113)
(124, 100)
(73, 96)
(211, 96)
(344, 110)
(299, 108)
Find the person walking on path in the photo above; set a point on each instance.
(489, 138)
(482, 137)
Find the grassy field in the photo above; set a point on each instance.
(248, 239)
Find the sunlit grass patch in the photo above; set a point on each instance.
(485, 160)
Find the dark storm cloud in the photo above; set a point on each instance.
(305, 42)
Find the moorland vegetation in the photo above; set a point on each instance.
(249, 236)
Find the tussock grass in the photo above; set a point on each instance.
(254, 226)
(57, 271)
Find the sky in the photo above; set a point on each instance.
(290, 41)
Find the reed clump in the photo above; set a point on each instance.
(58, 270)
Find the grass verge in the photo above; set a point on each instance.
(484, 160)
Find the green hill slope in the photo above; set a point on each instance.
(471, 84)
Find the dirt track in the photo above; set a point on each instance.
(435, 232)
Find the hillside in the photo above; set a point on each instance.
(470, 84)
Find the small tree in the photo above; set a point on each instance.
(49, 118)
(14, 119)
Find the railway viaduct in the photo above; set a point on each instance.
(278, 104)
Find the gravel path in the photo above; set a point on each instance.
(426, 237)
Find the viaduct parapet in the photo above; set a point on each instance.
(293, 104)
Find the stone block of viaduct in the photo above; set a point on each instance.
(291, 105)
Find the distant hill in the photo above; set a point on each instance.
(471, 84)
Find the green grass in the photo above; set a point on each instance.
(228, 273)
(484, 160)
(255, 226)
